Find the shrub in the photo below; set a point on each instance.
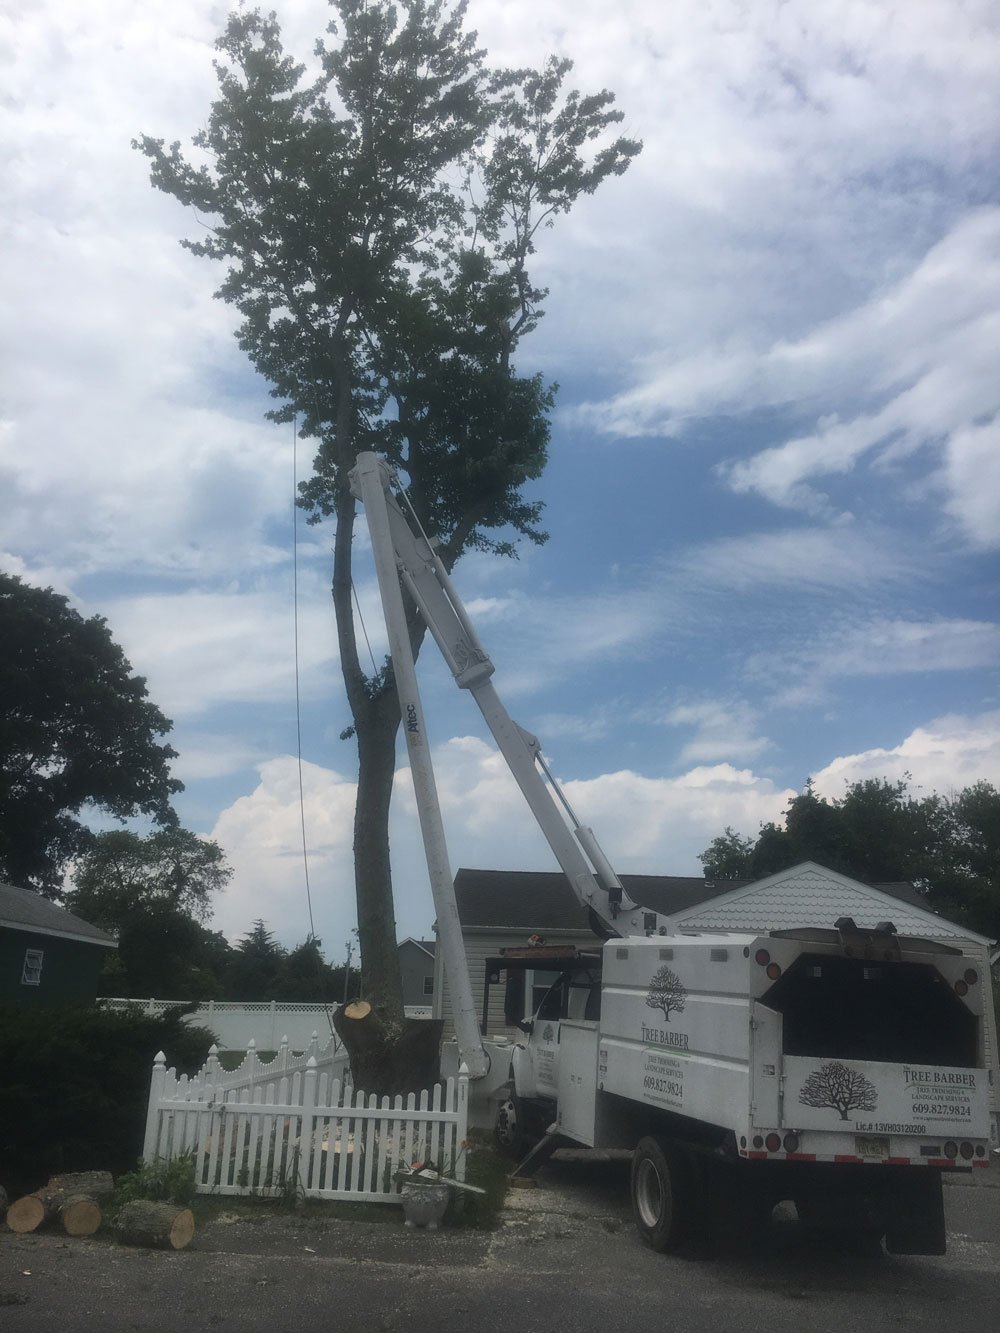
(76, 1085)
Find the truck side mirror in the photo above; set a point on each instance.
(527, 1025)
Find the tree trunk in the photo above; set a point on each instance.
(156, 1225)
(372, 867)
(387, 1061)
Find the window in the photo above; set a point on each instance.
(31, 974)
(428, 985)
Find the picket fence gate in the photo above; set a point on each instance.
(296, 1126)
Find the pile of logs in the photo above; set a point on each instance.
(75, 1200)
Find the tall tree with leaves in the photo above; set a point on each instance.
(77, 730)
(377, 220)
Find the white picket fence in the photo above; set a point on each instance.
(295, 1125)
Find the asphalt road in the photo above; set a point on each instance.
(565, 1257)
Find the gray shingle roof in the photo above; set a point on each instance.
(543, 900)
(21, 909)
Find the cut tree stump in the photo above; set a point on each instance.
(385, 1060)
(156, 1225)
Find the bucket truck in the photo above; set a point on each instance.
(841, 1068)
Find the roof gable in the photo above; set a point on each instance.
(811, 895)
(21, 909)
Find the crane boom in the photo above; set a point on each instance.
(414, 560)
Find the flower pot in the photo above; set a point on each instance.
(424, 1205)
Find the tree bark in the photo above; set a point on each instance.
(155, 1225)
(386, 1060)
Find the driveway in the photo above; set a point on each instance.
(564, 1257)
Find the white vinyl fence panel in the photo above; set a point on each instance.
(265, 1022)
(298, 1126)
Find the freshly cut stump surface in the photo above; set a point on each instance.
(29, 1212)
(156, 1225)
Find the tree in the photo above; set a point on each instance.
(377, 224)
(121, 872)
(255, 965)
(77, 732)
(306, 976)
(728, 856)
(841, 1088)
(666, 993)
(880, 832)
(155, 893)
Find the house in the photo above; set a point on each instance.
(416, 966)
(48, 956)
(502, 908)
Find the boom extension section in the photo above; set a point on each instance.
(421, 571)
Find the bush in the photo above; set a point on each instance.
(76, 1086)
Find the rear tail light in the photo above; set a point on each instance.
(762, 956)
(966, 1149)
(971, 976)
(961, 988)
(772, 1143)
(791, 1142)
(773, 970)
(980, 1150)
(758, 1142)
(951, 1149)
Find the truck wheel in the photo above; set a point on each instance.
(662, 1201)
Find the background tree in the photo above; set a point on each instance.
(255, 966)
(377, 223)
(154, 894)
(77, 730)
(880, 832)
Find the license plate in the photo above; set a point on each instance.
(869, 1147)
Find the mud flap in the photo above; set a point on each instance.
(916, 1225)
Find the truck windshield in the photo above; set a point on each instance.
(850, 1008)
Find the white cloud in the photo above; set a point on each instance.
(944, 756)
(723, 730)
(876, 647)
(651, 825)
(199, 649)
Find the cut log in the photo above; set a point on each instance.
(80, 1215)
(156, 1225)
(29, 1212)
(94, 1184)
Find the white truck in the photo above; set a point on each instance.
(840, 1068)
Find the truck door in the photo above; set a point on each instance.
(569, 994)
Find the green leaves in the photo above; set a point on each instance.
(76, 729)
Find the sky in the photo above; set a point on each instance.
(773, 496)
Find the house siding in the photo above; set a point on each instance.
(68, 976)
(415, 963)
(480, 945)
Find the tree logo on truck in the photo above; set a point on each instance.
(666, 993)
(839, 1087)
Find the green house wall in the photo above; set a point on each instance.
(69, 970)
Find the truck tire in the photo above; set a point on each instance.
(662, 1194)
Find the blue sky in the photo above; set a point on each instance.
(774, 488)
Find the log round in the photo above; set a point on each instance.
(80, 1215)
(156, 1225)
(29, 1212)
